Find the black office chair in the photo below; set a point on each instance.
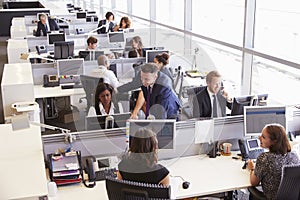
(190, 93)
(289, 187)
(130, 190)
(89, 84)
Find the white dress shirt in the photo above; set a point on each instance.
(219, 112)
(108, 75)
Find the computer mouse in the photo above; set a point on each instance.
(185, 185)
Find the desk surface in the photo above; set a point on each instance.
(206, 176)
(43, 92)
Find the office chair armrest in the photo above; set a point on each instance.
(256, 194)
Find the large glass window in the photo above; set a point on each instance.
(141, 8)
(170, 12)
(277, 31)
(280, 81)
(121, 5)
(219, 19)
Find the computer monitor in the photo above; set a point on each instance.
(106, 121)
(63, 50)
(115, 37)
(88, 55)
(150, 54)
(55, 37)
(256, 117)
(238, 103)
(165, 130)
(70, 67)
(81, 15)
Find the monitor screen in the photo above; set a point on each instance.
(115, 37)
(253, 144)
(88, 55)
(106, 121)
(256, 117)
(67, 67)
(164, 129)
(81, 15)
(55, 37)
(150, 54)
(238, 103)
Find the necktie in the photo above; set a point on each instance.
(46, 27)
(215, 107)
(148, 102)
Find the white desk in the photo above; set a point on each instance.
(44, 92)
(22, 168)
(206, 176)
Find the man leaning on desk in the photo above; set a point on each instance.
(45, 25)
(211, 101)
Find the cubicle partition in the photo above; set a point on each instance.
(113, 141)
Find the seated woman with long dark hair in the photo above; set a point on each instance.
(104, 101)
(140, 162)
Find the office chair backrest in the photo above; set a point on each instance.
(125, 190)
(289, 187)
(89, 84)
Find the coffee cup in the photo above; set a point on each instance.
(226, 148)
(52, 189)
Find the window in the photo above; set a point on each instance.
(121, 5)
(170, 12)
(219, 19)
(276, 30)
(141, 8)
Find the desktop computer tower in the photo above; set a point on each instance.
(50, 110)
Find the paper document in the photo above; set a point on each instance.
(204, 131)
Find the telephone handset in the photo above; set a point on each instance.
(89, 169)
(244, 150)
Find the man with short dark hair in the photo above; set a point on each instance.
(161, 100)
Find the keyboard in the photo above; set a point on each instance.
(70, 86)
(102, 174)
(255, 153)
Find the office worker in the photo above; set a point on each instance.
(204, 101)
(268, 168)
(92, 43)
(125, 22)
(162, 61)
(104, 101)
(45, 25)
(137, 45)
(107, 23)
(103, 72)
(140, 162)
(157, 92)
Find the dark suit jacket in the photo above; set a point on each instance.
(103, 29)
(202, 104)
(41, 27)
(164, 103)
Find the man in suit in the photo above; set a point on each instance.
(161, 100)
(107, 23)
(45, 25)
(211, 101)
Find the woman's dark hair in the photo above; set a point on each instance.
(163, 58)
(108, 14)
(127, 22)
(278, 135)
(99, 89)
(143, 146)
(92, 40)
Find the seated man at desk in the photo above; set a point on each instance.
(103, 101)
(45, 25)
(212, 101)
(157, 92)
(92, 43)
(103, 72)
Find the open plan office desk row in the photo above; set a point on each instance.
(206, 176)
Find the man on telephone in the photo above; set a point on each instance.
(211, 101)
(45, 25)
